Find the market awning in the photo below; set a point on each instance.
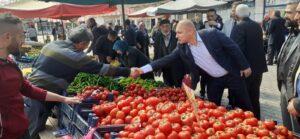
(187, 6)
(60, 11)
(113, 2)
(144, 12)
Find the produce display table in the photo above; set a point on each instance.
(135, 110)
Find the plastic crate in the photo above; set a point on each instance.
(67, 109)
(110, 128)
(80, 123)
(65, 122)
(83, 109)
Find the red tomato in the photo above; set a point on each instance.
(204, 124)
(270, 124)
(279, 129)
(160, 136)
(251, 121)
(134, 112)
(231, 131)
(155, 124)
(120, 115)
(119, 121)
(230, 123)
(153, 101)
(184, 135)
(262, 132)
(218, 126)
(123, 134)
(168, 107)
(186, 120)
(174, 117)
(150, 137)
(186, 128)
(247, 129)
(173, 135)
(113, 112)
(176, 127)
(165, 127)
(133, 127)
(139, 135)
(248, 114)
(239, 113)
(149, 130)
(222, 135)
(123, 103)
(143, 115)
(126, 109)
(210, 131)
(136, 120)
(128, 119)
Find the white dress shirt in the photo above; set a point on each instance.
(202, 58)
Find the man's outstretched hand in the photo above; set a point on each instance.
(135, 72)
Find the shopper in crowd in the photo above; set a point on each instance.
(249, 36)
(57, 66)
(13, 121)
(54, 33)
(143, 39)
(232, 21)
(104, 47)
(31, 32)
(213, 20)
(277, 36)
(164, 43)
(130, 33)
(131, 57)
(198, 23)
(97, 32)
(222, 60)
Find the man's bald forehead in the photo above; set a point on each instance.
(186, 23)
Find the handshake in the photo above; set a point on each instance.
(135, 72)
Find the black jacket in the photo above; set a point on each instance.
(248, 35)
(104, 47)
(135, 58)
(130, 36)
(160, 49)
(277, 32)
(226, 53)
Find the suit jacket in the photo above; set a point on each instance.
(248, 35)
(160, 49)
(130, 36)
(277, 31)
(104, 47)
(226, 53)
(288, 63)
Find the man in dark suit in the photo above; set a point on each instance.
(277, 36)
(142, 39)
(209, 52)
(164, 43)
(287, 67)
(248, 35)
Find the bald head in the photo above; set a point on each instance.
(185, 31)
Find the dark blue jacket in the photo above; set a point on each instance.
(226, 53)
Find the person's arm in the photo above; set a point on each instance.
(37, 93)
(238, 36)
(271, 27)
(162, 62)
(233, 49)
(91, 66)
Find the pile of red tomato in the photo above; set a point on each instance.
(96, 93)
(165, 94)
(154, 118)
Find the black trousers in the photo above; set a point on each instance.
(203, 85)
(273, 51)
(236, 86)
(170, 79)
(253, 83)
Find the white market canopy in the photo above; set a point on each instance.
(150, 11)
(187, 6)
